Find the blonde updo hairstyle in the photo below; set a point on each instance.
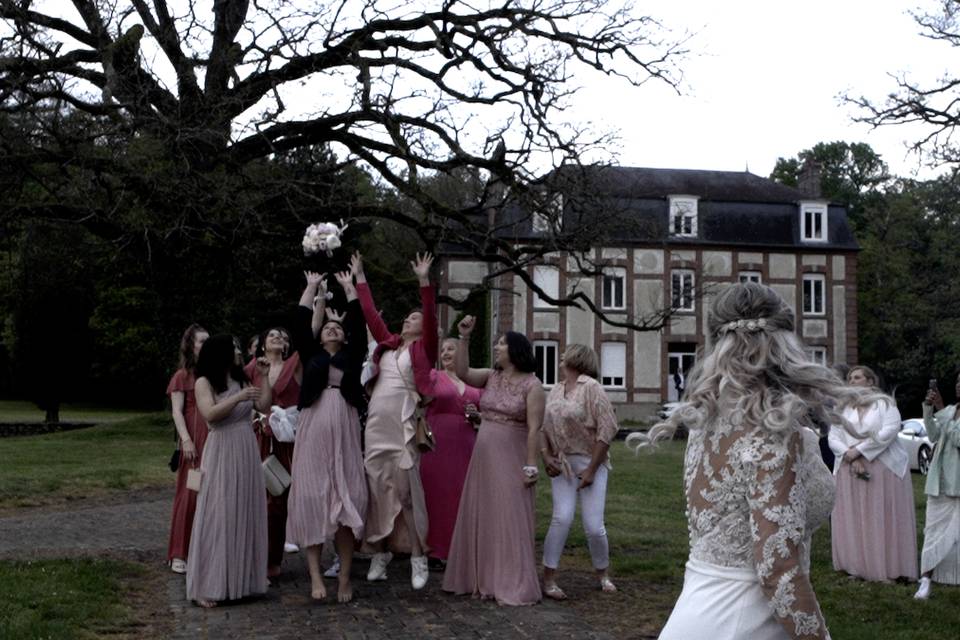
(755, 373)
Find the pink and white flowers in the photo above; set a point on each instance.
(323, 236)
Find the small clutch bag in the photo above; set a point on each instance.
(275, 476)
(194, 478)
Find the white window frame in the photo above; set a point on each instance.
(814, 211)
(818, 355)
(549, 283)
(609, 303)
(613, 379)
(688, 302)
(750, 276)
(547, 375)
(683, 208)
(818, 304)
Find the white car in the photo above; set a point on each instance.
(913, 437)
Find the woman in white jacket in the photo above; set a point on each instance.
(873, 525)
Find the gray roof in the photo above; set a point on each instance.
(631, 204)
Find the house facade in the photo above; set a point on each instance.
(690, 233)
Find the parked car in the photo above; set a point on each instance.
(913, 436)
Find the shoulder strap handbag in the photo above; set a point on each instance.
(275, 477)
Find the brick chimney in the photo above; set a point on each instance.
(808, 182)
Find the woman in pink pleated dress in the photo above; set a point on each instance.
(492, 554)
(444, 470)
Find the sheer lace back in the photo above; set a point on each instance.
(754, 499)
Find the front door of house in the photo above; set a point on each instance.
(679, 366)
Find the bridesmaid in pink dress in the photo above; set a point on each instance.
(492, 554)
(285, 376)
(192, 434)
(443, 471)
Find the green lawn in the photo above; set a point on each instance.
(20, 411)
(648, 536)
(645, 522)
(78, 598)
(115, 456)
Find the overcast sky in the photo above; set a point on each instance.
(763, 81)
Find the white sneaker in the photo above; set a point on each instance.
(924, 591)
(334, 569)
(178, 565)
(419, 572)
(289, 547)
(378, 566)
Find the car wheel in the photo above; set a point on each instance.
(923, 459)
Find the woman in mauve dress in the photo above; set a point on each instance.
(228, 545)
(492, 554)
(328, 493)
(444, 470)
(873, 525)
(192, 434)
(397, 514)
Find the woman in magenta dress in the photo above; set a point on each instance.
(192, 434)
(492, 554)
(443, 471)
(328, 493)
(285, 376)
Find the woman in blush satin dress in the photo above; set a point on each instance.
(228, 545)
(192, 434)
(873, 526)
(397, 514)
(492, 554)
(444, 470)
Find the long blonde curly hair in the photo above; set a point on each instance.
(756, 372)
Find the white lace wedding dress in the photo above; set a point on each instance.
(754, 499)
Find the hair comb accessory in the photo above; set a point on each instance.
(752, 325)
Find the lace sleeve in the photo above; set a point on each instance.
(777, 502)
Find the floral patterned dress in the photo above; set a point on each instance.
(754, 499)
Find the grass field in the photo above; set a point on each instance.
(645, 522)
(116, 456)
(21, 411)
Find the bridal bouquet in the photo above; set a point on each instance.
(323, 236)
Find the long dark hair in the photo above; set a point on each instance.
(218, 360)
(188, 360)
(520, 352)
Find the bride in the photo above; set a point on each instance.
(755, 484)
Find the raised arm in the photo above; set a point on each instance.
(473, 377)
(777, 516)
(378, 328)
(353, 324)
(304, 335)
(428, 298)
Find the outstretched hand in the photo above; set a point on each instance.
(334, 316)
(345, 278)
(465, 326)
(421, 266)
(314, 278)
(356, 267)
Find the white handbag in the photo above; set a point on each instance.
(283, 423)
(275, 476)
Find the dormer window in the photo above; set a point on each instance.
(813, 221)
(683, 216)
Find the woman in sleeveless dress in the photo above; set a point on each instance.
(328, 493)
(397, 514)
(755, 483)
(191, 434)
(492, 554)
(444, 470)
(228, 545)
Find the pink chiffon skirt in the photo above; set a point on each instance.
(873, 526)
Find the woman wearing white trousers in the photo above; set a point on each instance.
(578, 426)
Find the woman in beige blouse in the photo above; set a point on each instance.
(578, 426)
